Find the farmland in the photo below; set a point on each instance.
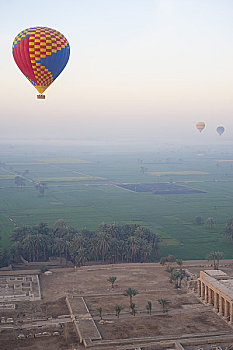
(83, 189)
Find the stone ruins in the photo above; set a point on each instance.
(19, 288)
(215, 288)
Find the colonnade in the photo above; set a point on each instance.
(222, 305)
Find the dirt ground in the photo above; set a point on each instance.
(66, 340)
(135, 327)
(93, 279)
(37, 309)
(186, 315)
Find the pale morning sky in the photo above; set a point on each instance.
(139, 69)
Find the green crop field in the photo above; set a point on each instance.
(69, 178)
(7, 177)
(178, 173)
(81, 189)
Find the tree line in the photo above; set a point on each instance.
(110, 243)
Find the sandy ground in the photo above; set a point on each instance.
(93, 279)
(67, 340)
(186, 315)
(135, 327)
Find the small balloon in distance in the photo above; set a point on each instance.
(200, 126)
(220, 130)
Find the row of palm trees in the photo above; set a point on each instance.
(177, 275)
(131, 292)
(110, 243)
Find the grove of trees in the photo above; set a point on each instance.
(110, 243)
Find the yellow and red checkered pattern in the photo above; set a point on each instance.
(42, 42)
(42, 45)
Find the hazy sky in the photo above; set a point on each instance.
(139, 69)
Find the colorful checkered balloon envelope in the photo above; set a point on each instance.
(41, 54)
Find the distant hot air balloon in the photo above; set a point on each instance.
(200, 126)
(41, 54)
(220, 130)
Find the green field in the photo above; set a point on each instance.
(81, 190)
(156, 173)
(70, 178)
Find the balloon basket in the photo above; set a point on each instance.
(41, 97)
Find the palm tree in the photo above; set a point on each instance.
(30, 246)
(164, 303)
(118, 309)
(114, 249)
(41, 245)
(94, 249)
(103, 240)
(210, 222)
(149, 307)
(215, 256)
(81, 256)
(175, 277)
(112, 280)
(58, 247)
(145, 250)
(133, 309)
(99, 309)
(133, 247)
(42, 228)
(130, 292)
(60, 228)
(155, 242)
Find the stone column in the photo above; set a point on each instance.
(209, 296)
(206, 293)
(220, 305)
(202, 290)
(194, 286)
(198, 288)
(215, 301)
(225, 309)
(231, 312)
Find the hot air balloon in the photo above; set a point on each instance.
(220, 130)
(200, 126)
(41, 54)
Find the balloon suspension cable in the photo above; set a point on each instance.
(41, 97)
